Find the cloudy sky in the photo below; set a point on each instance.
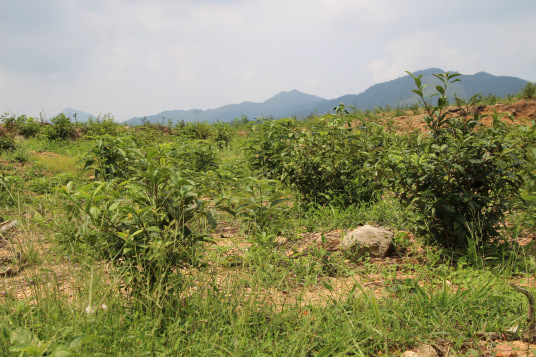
(140, 57)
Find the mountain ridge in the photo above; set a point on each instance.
(293, 103)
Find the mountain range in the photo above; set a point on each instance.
(393, 93)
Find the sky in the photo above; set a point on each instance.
(140, 57)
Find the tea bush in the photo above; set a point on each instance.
(28, 127)
(101, 126)
(460, 178)
(142, 225)
(7, 141)
(259, 205)
(61, 128)
(529, 90)
(195, 130)
(223, 134)
(195, 155)
(111, 157)
(328, 163)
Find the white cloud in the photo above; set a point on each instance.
(137, 57)
(419, 50)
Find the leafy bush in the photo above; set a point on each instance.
(529, 90)
(7, 141)
(23, 125)
(222, 134)
(101, 126)
(61, 128)
(460, 177)
(111, 158)
(141, 225)
(327, 163)
(198, 155)
(259, 206)
(194, 130)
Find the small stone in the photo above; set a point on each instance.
(426, 351)
(409, 354)
(376, 241)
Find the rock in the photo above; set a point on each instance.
(422, 351)
(409, 354)
(426, 351)
(376, 241)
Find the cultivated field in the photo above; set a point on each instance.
(225, 239)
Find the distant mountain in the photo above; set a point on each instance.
(398, 91)
(284, 104)
(77, 115)
(393, 93)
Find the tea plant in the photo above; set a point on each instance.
(529, 90)
(461, 178)
(111, 157)
(141, 225)
(328, 163)
(222, 134)
(60, 129)
(259, 205)
(101, 126)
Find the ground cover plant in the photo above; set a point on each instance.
(224, 239)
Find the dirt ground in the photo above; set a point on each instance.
(523, 112)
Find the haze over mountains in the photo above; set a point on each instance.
(295, 103)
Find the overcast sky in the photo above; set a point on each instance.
(141, 57)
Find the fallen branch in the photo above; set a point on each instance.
(6, 227)
(530, 334)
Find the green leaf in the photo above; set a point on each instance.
(94, 212)
(327, 286)
(212, 218)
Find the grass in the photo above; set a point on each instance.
(56, 163)
(290, 292)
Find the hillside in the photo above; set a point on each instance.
(77, 115)
(398, 91)
(292, 103)
(394, 93)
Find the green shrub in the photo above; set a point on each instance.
(111, 158)
(327, 163)
(194, 130)
(23, 125)
(222, 134)
(28, 126)
(61, 128)
(460, 177)
(7, 141)
(196, 155)
(529, 90)
(259, 205)
(101, 126)
(141, 225)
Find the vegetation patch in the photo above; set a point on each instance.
(225, 239)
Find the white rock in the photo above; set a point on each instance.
(376, 241)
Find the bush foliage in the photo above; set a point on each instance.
(460, 177)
